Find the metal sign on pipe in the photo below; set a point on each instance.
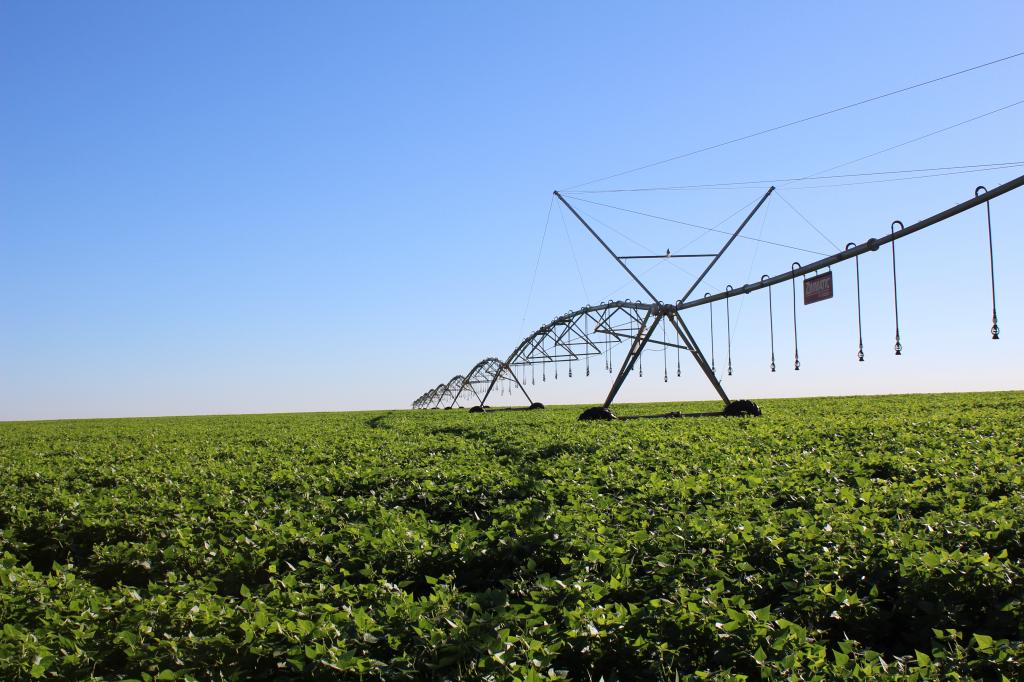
(818, 288)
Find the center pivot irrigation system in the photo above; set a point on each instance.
(597, 330)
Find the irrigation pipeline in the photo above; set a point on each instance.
(869, 245)
(634, 323)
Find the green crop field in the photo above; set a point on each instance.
(868, 537)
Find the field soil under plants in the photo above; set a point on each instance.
(866, 537)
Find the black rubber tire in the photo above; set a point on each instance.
(476, 408)
(742, 408)
(597, 414)
(537, 406)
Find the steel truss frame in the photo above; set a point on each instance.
(464, 387)
(595, 330)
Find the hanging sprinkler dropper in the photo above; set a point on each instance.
(898, 347)
(771, 322)
(796, 345)
(991, 262)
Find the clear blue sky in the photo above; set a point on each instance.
(240, 207)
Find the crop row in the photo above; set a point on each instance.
(861, 537)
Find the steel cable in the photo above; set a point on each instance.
(802, 120)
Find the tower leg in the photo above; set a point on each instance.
(643, 335)
(639, 341)
(521, 387)
(497, 375)
(677, 322)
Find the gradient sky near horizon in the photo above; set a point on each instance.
(241, 207)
